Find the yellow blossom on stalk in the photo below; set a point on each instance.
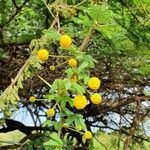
(94, 83)
(80, 102)
(50, 112)
(52, 68)
(74, 78)
(32, 99)
(87, 135)
(43, 55)
(72, 62)
(65, 41)
(96, 98)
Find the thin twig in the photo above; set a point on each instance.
(44, 81)
(19, 73)
(58, 22)
(133, 128)
(81, 3)
(58, 56)
(49, 9)
(87, 39)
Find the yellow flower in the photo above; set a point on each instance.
(50, 112)
(80, 102)
(72, 62)
(74, 78)
(65, 41)
(52, 68)
(94, 83)
(43, 54)
(87, 135)
(32, 99)
(96, 98)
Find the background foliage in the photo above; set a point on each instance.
(118, 35)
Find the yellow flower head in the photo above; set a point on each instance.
(74, 78)
(72, 62)
(94, 83)
(32, 99)
(65, 41)
(87, 135)
(43, 54)
(50, 112)
(96, 98)
(52, 68)
(80, 102)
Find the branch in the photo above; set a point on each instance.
(112, 105)
(133, 128)
(14, 2)
(16, 125)
(87, 39)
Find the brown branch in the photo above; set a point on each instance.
(31, 113)
(77, 5)
(19, 73)
(16, 125)
(87, 39)
(14, 2)
(112, 105)
(133, 128)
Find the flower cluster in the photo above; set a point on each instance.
(80, 101)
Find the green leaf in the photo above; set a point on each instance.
(55, 141)
(68, 112)
(54, 87)
(52, 34)
(147, 93)
(100, 13)
(51, 96)
(83, 66)
(47, 123)
(70, 72)
(69, 120)
(52, 143)
(82, 19)
(55, 136)
(67, 84)
(86, 79)
(80, 121)
(62, 103)
(77, 88)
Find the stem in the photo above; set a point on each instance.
(87, 39)
(49, 9)
(61, 121)
(58, 56)
(44, 81)
(73, 129)
(60, 125)
(135, 123)
(61, 64)
(81, 3)
(19, 73)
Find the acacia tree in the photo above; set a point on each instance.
(71, 42)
